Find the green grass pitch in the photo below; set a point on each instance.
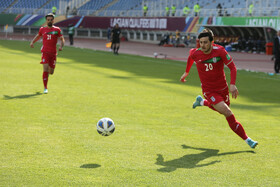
(51, 139)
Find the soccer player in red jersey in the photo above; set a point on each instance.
(50, 34)
(210, 60)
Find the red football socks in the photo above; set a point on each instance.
(205, 102)
(45, 79)
(236, 127)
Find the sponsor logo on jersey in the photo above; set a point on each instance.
(53, 32)
(213, 98)
(212, 60)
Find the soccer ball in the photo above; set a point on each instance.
(105, 126)
(155, 55)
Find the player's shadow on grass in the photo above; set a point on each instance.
(192, 160)
(90, 166)
(7, 97)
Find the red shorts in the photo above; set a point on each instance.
(216, 97)
(48, 58)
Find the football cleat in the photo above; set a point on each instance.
(45, 91)
(252, 143)
(197, 102)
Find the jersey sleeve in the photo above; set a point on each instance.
(227, 59)
(59, 32)
(190, 61)
(40, 33)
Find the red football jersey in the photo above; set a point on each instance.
(50, 36)
(211, 68)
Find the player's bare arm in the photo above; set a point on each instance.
(35, 39)
(234, 91)
(183, 77)
(62, 41)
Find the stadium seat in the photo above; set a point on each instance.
(134, 7)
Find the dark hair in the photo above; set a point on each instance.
(208, 30)
(206, 34)
(49, 15)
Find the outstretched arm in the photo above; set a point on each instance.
(62, 41)
(230, 64)
(233, 89)
(188, 68)
(183, 77)
(35, 39)
(186, 73)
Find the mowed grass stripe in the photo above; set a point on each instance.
(159, 139)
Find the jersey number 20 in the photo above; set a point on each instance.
(208, 67)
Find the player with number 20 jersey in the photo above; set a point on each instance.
(211, 68)
(210, 60)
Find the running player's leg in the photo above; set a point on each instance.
(114, 47)
(212, 98)
(49, 62)
(52, 63)
(51, 70)
(199, 101)
(223, 108)
(236, 127)
(117, 48)
(44, 62)
(45, 77)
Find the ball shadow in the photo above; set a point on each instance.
(90, 166)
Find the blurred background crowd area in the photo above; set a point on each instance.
(136, 7)
(169, 23)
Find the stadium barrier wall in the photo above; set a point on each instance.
(146, 36)
(183, 24)
(233, 12)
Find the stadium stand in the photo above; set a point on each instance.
(5, 4)
(28, 4)
(130, 8)
(120, 7)
(22, 6)
(52, 3)
(208, 8)
(92, 6)
(90, 21)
